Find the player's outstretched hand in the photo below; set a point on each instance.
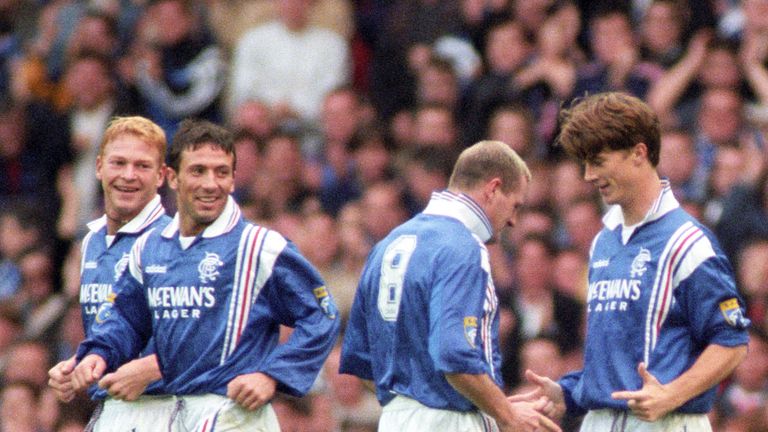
(130, 380)
(652, 401)
(528, 418)
(550, 390)
(60, 379)
(251, 391)
(88, 371)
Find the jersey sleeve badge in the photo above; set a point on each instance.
(470, 330)
(733, 314)
(326, 304)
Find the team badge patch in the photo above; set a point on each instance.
(732, 313)
(120, 266)
(105, 310)
(639, 263)
(470, 330)
(321, 294)
(209, 267)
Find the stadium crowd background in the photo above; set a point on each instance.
(347, 115)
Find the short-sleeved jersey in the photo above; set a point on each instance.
(426, 306)
(102, 263)
(215, 307)
(659, 294)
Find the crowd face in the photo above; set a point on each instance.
(130, 171)
(203, 184)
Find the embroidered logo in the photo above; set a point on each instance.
(601, 263)
(121, 265)
(90, 265)
(639, 263)
(209, 267)
(470, 330)
(732, 313)
(326, 304)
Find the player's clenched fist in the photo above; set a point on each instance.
(251, 391)
(60, 379)
(88, 371)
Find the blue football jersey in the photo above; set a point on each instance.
(215, 306)
(102, 263)
(658, 294)
(426, 306)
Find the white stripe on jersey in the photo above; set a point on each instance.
(676, 251)
(243, 287)
(490, 306)
(134, 261)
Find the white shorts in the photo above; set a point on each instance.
(215, 413)
(608, 420)
(404, 414)
(145, 414)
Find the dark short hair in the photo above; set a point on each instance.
(194, 133)
(608, 121)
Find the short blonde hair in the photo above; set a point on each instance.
(486, 160)
(140, 127)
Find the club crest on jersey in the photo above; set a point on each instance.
(121, 265)
(209, 267)
(105, 310)
(639, 263)
(732, 313)
(470, 330)
(321, 294)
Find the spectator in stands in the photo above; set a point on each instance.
(678, 163)
(383, 208)
(661, 33)
(617, 64)
(18, 232)
(289, 64)
(752, 277)
(748, 391)
(435, 125)
(180, 68)
(747, 203)
(34, 150)
(506, 51)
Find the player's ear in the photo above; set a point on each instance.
(173, 178)
(640, 152)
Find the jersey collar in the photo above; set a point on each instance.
(463, 208)
(665, 203)
(222, 225)
(151, 212)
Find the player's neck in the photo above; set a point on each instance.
(646, 193)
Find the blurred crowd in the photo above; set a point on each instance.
(348, 114)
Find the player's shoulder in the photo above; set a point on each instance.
(266, 240)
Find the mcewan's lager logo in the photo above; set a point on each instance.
(209, 267)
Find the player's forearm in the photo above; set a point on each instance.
(483, 392)
(712, 366)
